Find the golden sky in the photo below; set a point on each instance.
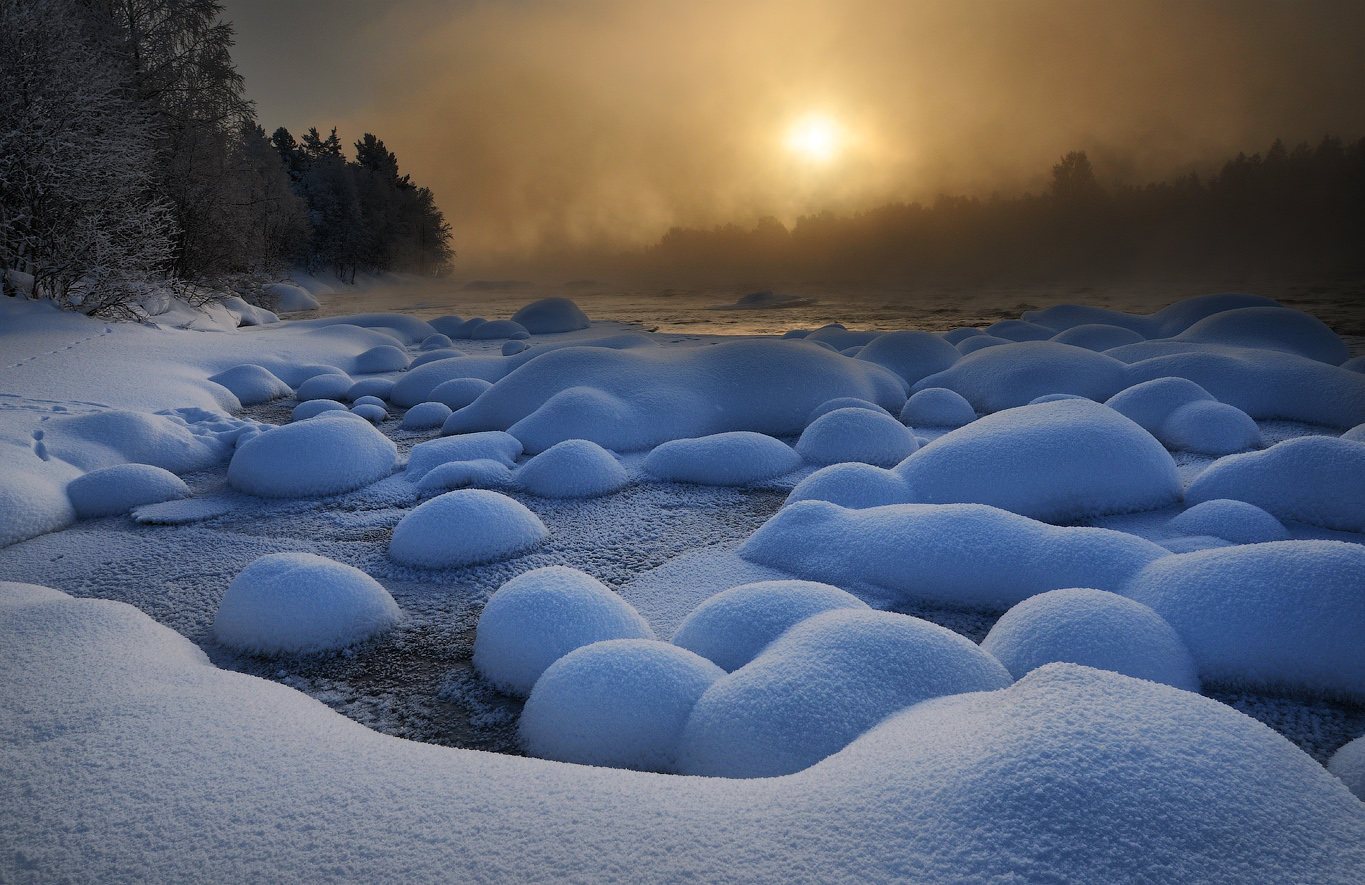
(603, 122)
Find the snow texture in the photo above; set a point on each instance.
(118, 489)
(458, 392)
(1355, 434)
(102, 439)
(1319, 480)
(937, 407)
(492, 445)
(1185, 416)
(911, 355)
(539, 617)
(856, 434)
(252, 385)
(551, 315)
(820, 685)
(1010, 375)
(299, 603)
(425, 416)
(370, 412)
(958, 554)
(575, 468)
(332, 386)
(1095, 628)
(731, 628)
(481, 473)
(1348, 763)
(620, 703)
(31, 505)
(328, 455)
(465, 527)
(384, 358)
(737, 458)
(1284, 614)
(1235, 521)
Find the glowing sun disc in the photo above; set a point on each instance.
(814, 138)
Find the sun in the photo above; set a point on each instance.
(815, 138)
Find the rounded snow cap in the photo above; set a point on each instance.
(737, 458)
(328, 455)
(937, 407)
(465, 527)
(574, 468)
(550, 315)
(872, 437)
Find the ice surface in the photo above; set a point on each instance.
(1317, 479)
(1010, 375)
(252, 384)
(911, 355)
(329, 454)
(1095, 628)
(426, 416)
(962, 554)
(465, 527)
(574, 468)
(118, 489)
(937, 407)
(1285, 613)
(737, 458)
(731, 628)
(492, 445)
(620, 703)
(540, 616)
(384, 358)
(297, 603)
(550, 315)
(1235, 521)
(856, 434)
(820, 685)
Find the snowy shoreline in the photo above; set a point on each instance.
(130, 757)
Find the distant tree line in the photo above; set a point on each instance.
(1288, 211)
(131, 160)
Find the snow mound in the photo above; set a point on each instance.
(1235, 521)
(1348, 764)
(575, 468)
(632, 399)
(248, 314)
(102, 439)
(401, 327)
(731, 628)
(290, 298)
(836, 336)
(425, 416)
(843, 402)
(446, 325)
(1150, 403)
(1170, 320)
(1270, 328)
(737, 458)
(368, 401)
(436, 342)
(550, 315)
(297, 603)
(465, 527)
(252, 384)
(315, 407)
(325, 387)
(465, 331)
(370, 412)
(419, 381)
(384, 358)
(374, 388)
(1355, 434)
(1354, 364)
(911, 354)
(822, 684)
(1012, 375)
(495, 329)
(620, 703)
(1319, 480)
(1019, 330)
(539, 617)
(870, 437)
(1285, 613)
(1185, 416)
(937, 407)
(514, 347)
(1095, 628)
(331, 454)
(1097, 336)
(480, 473)
(433, 356)
(958, 554)
(120, 488)
(31, 505)
(458, 392)
(493, 445)
(295, 374)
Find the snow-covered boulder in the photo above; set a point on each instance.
(822, 684)
(958, 554)
(731, 628)
(539, 617)
(1355, 434)
(297, 603)
(1270, 328)
(514, 346)
(378, 388)
(737, 458)
(325, 387)
(1314, 479)
(856, 434)
(1185, 416)
(1348, 763)
(436, 342)
(843, 402)
(289, 298)
(465, 527)
(620, 703)
(836, 336)
(574, 468)
(1095, 628)
(550, 315)
(418, 382)
(973, 343)
(465, 331)
(496, 329)
(1019, 330)
(1097, 336)
(481, 473)
(1149, 403)
(252, 384)
(1285, 613)
(425, 416)
(30, 505)
(458, 392)
(101, 439)
(493, 445)
(383, 358)
(446, 325)
(1003, 377)
(375, 414)
(314, 407)
(1235, 521)
(328, 455)
(937, 407)
(910, 354)
(121, 487)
